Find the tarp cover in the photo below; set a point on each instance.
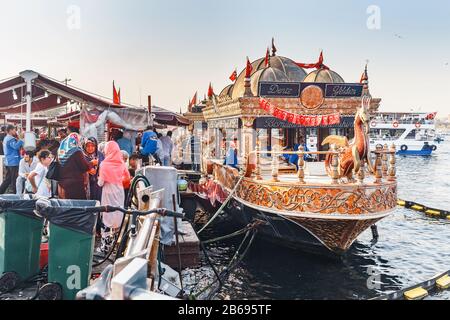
(76, 215)
(94, 119)
(22, 205)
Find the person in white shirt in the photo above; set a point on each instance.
(167, 146)
(41, 187)
(26, 165)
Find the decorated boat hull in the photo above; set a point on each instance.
(309, 216)
(317, 236)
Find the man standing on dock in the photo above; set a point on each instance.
(11, 148)
(167, 146)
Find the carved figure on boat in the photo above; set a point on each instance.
(358, 150)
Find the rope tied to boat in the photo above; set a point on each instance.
(250, 226)
(234, 262)
(224, 204)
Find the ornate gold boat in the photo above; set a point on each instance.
(326, 203)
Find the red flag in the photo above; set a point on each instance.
(116, 97)
(233, 76)
(321, 58)
(210, 91)
(266, 61)
(194, 100)
(120, 99)
(248, 69)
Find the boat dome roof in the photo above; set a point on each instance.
(324, 76)
(279, 69)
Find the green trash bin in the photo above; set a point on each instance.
(71, 246)
(20, 240)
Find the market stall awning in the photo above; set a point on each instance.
(47, 94)
(164, 116)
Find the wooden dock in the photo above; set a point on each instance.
(189, 249)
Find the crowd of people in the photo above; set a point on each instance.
(79, 168)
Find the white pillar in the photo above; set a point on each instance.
(30, 138)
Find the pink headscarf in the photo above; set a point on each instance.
(113, 169)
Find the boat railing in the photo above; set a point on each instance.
(384, 166)
(403, 121)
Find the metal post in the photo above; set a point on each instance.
(30, 138)
(392, 169)
(301, 166)
(275, 166)
(378, 165)
(258, 161)
(385, 160)
(334, 166)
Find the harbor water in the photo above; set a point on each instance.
(411, 248)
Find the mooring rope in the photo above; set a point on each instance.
(223, 205)
(236, 233)
(234, 262)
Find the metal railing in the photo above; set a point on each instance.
(384, 165)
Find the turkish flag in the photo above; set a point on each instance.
(116, 96)
(248, 69)
(233, 76)
(210, 90)
(266, 60)
(290, 117)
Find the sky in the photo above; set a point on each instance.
(171, 49)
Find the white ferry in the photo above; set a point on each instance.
(412, 133)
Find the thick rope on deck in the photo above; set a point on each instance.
(432, 212)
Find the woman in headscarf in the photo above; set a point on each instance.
(91, 152)
(112, 177)
(73, 168)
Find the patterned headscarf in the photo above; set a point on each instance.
(68, 147)
(94, 141)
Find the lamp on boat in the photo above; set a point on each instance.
(14, 94)
(45, 94)
(58, 100)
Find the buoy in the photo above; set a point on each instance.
(417, 207)
(443, 283)
(433, 212)
(416, 294)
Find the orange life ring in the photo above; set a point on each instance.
(373, 123)
(418, 125)
(395, 124)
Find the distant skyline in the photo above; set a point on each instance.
(171, 49)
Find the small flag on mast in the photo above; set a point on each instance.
(233, 76)
(248, 69)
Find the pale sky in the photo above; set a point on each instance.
(170, 49)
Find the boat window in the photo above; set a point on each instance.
(411, 135)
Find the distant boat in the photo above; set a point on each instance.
(413, 134)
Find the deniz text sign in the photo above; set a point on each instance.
(294, 89)
(279, 89)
